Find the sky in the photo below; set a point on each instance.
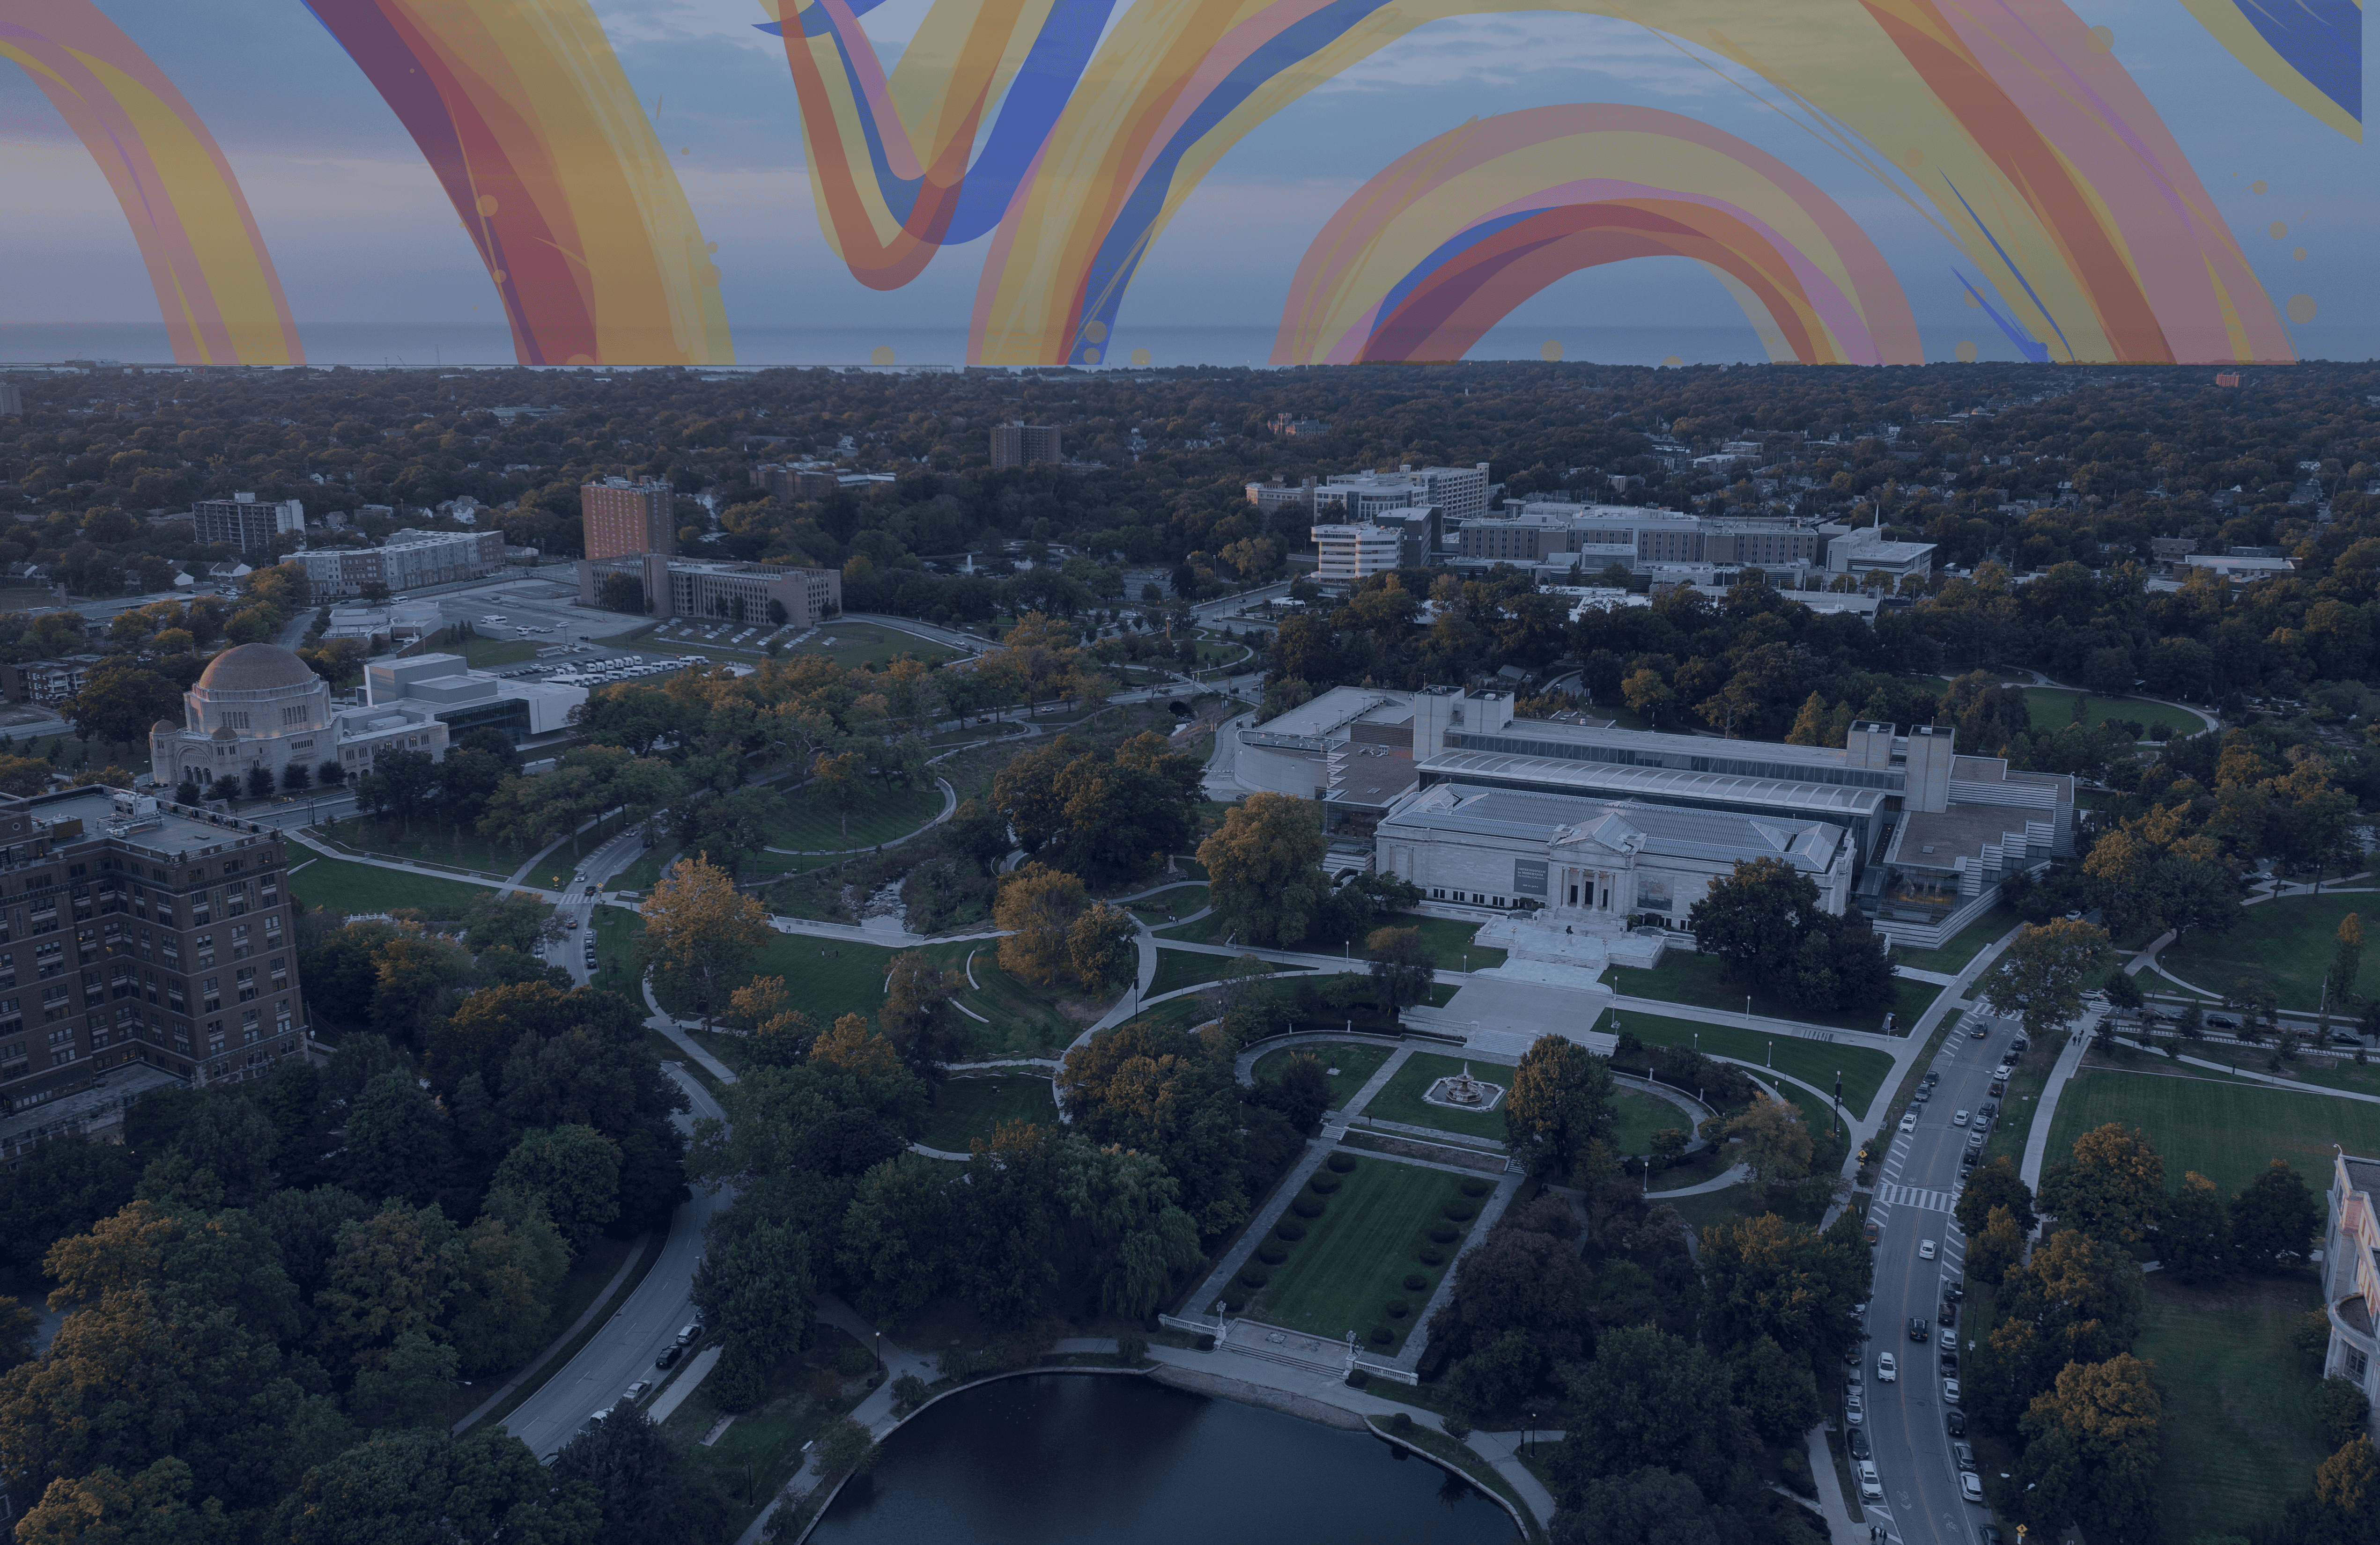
(360, 233)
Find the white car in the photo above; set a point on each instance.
(1924, 1249)
(1950, 1391)
(1871, 1486)
(1971, 1486)
(1908, 1122)
(1957, 1118)
(1854, 1411)
(1887, 1370)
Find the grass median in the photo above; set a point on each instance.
(1374, 1234)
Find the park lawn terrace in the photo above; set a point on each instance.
(2225, 1131)
(1355, 1257)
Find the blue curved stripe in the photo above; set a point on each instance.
(2012, 269)
(1120, 253)
(1445, 253)
(2321, 40)
(2026, 344)
(1043, 85)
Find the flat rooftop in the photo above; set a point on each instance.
(1620, 779)
(1319, 715)
(1714, 836)
(172, 831)
(1938, 839)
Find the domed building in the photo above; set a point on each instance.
(260, 706)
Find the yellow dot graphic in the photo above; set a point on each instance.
(880, 355)
(1140, 358)
(1912, 158)
(1097, 331)
(1965, 351)
(2299, 254)
(1972, 304)
(498, 276)
(1551, 349)
(2300, 308)
(1091, 356)
(685, 150)
(1671, 363)
(711, 246)
(2101, 40)
(487, 203)
(2277, 230)
(2257, 187)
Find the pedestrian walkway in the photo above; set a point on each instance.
(2036, 1142)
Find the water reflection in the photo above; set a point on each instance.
(1060, 1460)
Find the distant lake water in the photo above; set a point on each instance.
(1080, 1460)
(366, 344)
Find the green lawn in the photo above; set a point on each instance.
(2286, 944)
(2226, 1131)
(645, 872)
(1685, 976)
(866, 644)
(2053, 709)
(2240, 1431)
(460, 847)
(1178, 901)
(825, 979)
(1355, 1060)
(1354, 1258)
(1400, 1098)
(483, 654)
(1818, 1061)
(2013, 1129)
(812, 824)
(1636, 1117)
(1024, 1020)
(1182, 967)
(1449, 940)
(617, 967)
(965, 1109)
(1971, 941)
(346, 887)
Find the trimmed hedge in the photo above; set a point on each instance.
(1444, 1233)
(1307, 1207)
(1272, 1252)
(1382, 1335)
(1323, 1185)
(1417, 1283)
(1396, 1308)
(1254, 1277)
(1291, 1230)
(1342, 1163)
(1461, 1212)
(1432, 1256)
(1476, 1187)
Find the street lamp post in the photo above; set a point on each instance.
(1772, 1052)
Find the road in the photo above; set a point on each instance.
(1915, 1191)
(622, 1350)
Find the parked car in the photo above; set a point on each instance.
(1871, 1488)
(1971, 1486)
(1933, 1077)
(1854, 1409)
(1859, 1446)
(1950, 1360)
(1965, 1452)
(2019, 1045)
(1947, 1314)
(669, 1357)
(637, 1391)
(1950, 1392)
(1887, 1370)
(1908, 1122)
(1924, 1249)
(1917, 1331)
(1956, 1422)
(2221, 1021)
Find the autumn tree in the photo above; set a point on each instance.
(2194, 1237)
(1401, 965)
(1264, 868)
(1777, 1146)
(2348, 960)
(1035, 910)
(700, 932)
(763, 1009)
(2040, 976)
(2092, 1444)
(1996, 1184)
(1100, 947)
(1559, 1109)
(2111, 1188)
(2275, 1217)
(1994, 1248)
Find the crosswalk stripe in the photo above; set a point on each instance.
(1915, 1196)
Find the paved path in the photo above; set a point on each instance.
(950, 808)
(1735, 1176)
(636, 1253)
(2036, 1142)
(1840, 1530)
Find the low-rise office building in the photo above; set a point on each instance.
(446, 688)
(241, 521)
(409, 560)
(721, 588)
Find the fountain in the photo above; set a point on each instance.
(1463, 1093)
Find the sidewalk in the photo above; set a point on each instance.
(2036, 1142)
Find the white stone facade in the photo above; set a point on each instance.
(260, 706)
(2350, 1277)
(1592, 860)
